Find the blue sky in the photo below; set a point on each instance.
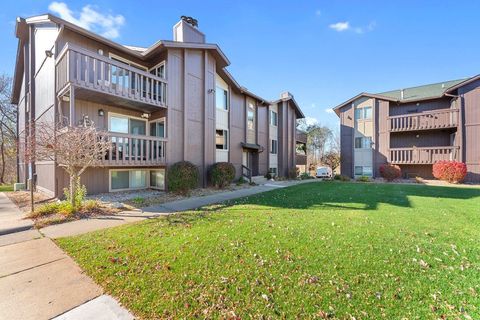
(324, 52)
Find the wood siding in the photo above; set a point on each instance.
(346, 140)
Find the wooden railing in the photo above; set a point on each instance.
(247, 173)
(301, 136)
(135, 150)
(300, 159)
(96, 72)
(428, 155)
(437, 119)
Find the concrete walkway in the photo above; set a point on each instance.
(11, 218)
(39, 281)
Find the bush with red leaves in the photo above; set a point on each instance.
(451, 171)
(390, 172)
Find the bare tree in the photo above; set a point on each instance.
(8, 135)
(331, 159)
(72, 148)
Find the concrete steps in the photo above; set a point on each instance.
(259, 180)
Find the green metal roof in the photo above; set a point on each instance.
(422, 92)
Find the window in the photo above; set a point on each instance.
(363, 171)
(273, 171)
(250, 118)
(119, 180)
(124, 124)
(157, 179)
(358, 114)
(363, 113)
(363, 143)
(221, 139)
(274, 147)
(128, 179)
(367, 113)
(159, 70)
(273, 118)
(157, 128)
(137, 179)
(221, 98)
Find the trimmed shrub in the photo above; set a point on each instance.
(182, 177)
(451, 171)
(293, 173)
(363, 179)
(306, 176)
(390, 172)
(222, 174)
(341, 177)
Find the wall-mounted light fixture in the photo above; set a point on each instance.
(417, 136)
(49, 53)
(101, 113)
(211, 90)
(145, 115)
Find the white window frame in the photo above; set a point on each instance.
(365, 113)
(149, 180)
(227, 102)
(251, 108)
(162, 119)
(225, 131)
(363, 171)
(276, 118)
(119, 115)
(271, 146)
(164, 64)
(362, 144)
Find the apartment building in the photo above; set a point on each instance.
(412, 128)
(170, 102)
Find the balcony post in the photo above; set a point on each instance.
(72, 105)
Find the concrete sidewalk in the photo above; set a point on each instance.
(11, 218)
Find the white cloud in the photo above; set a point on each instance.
(329, 110)
(310, 121)
(340, 26)
(346, 26)
(107, 25)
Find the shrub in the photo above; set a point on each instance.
(341, 177)
(363, 179)
(222, 174)
(293, 173)
(91, 205)
(182, 177)
(451, 171)
(390, 172)
(63, 207)
(306, 176)
(268, 176)
(241, 180)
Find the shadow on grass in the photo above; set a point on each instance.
(353, 196)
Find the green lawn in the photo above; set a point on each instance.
(6, 187)
(316, 250)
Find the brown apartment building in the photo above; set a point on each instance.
(413, 128)
(166, 103)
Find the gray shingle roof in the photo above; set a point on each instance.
(422, 92)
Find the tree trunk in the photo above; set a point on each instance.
(2, 151)
(73, 187)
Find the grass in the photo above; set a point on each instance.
(6, 187)
(317, 250)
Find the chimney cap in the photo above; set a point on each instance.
(191, 21)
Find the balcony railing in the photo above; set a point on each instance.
(437, 119)
(428, 155)
(133, 150)
(89, 70)
(300, 159)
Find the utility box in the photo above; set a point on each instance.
(18, 186)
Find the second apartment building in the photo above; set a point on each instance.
(173, 101)
(413, 128)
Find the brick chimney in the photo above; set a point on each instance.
(286, 95)
(186, 30)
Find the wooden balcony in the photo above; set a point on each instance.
(437, 119)
(98, 78)
(301, 136)
(132, 150)
(300, 159)
(428, 155)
